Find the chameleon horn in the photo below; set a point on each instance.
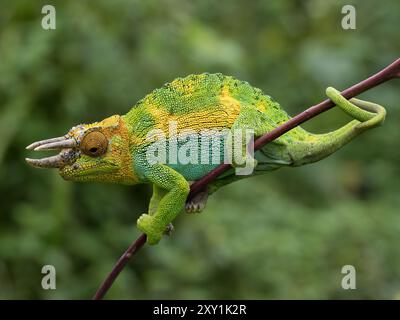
(57, 145)
(49, 162)
(39, 143)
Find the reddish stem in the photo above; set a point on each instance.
(132, 249)
(392, 71)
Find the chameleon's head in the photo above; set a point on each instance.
(97, 152)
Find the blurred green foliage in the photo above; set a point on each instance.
(282, 235)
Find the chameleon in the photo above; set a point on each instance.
(115, 150)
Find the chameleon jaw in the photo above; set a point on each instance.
(66, 156)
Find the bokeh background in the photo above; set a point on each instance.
(283, 235)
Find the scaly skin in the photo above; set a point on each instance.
(198, 102)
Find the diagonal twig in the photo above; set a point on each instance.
(392, 71)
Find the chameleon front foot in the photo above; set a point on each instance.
(197, 203)
(148, 225)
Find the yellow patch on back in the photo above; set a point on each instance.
(222, 116)
(231, 103)
(261, 106)
(208, 119)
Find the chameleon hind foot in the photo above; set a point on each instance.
(169, 229)
(197, 203)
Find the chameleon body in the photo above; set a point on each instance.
(114, 150)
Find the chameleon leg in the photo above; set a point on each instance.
(249, 119)
(169, 206)
(157, 195)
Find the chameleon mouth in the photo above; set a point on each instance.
(67, 154)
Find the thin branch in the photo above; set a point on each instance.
(132, 249)
(390, 72)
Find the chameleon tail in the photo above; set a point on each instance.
(318, 146)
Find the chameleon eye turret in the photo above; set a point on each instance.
(94, 144)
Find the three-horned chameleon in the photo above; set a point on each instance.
(116, 149)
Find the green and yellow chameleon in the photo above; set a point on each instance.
(116, 149)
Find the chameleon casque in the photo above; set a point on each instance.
(114, 149)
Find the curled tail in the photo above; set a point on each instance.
(315, 147)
